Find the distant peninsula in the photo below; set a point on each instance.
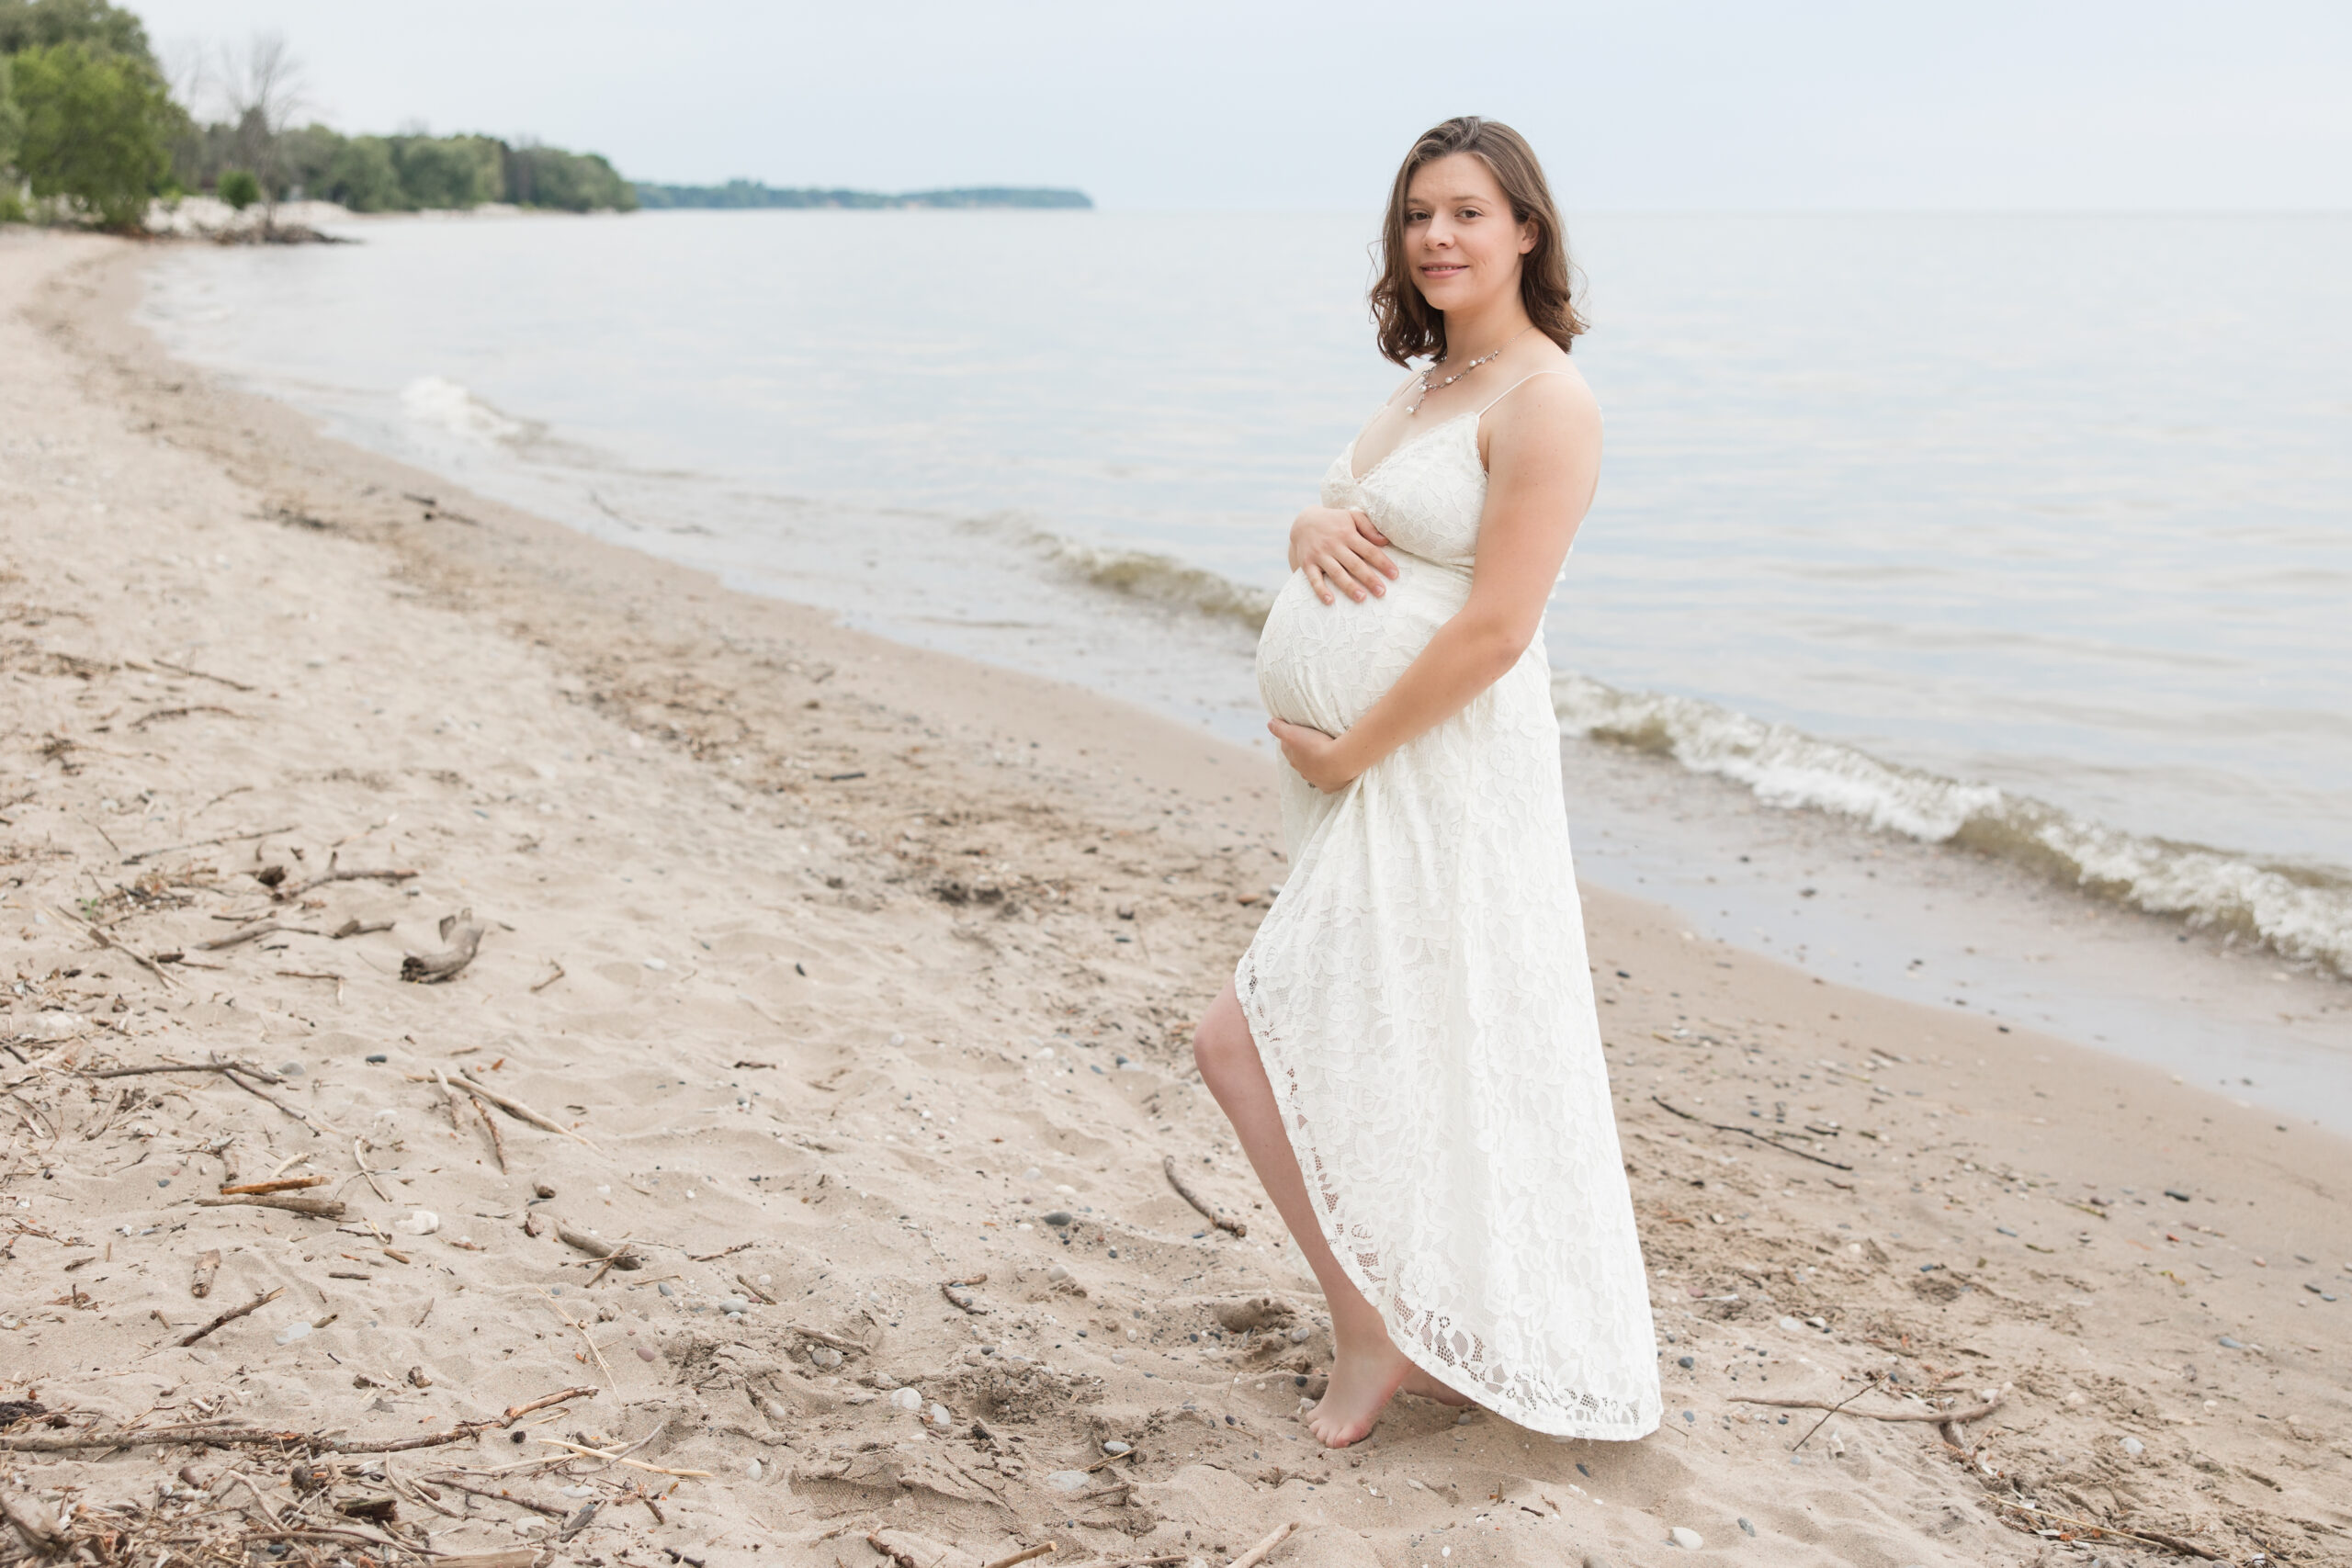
(751, 193)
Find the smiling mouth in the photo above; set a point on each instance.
(1443, 269)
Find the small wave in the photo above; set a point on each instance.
(437, 400)
(2296, 911)
(1143, 574)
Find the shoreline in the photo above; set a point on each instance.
(825, 901)
(1906, 918)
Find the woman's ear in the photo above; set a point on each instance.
(1529, 232)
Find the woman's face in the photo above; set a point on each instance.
(1459, 239)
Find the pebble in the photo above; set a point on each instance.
(644, 1353)
(1686, 1362)
(939, 1417)
(906, 1399)
(2135, 1446)
(543, 1189)
(1069, 1481)
(1464, 1418)
(752, 1469)
(1060, 1217)
(1058, 1273)
(378, 1057)
(1686, 1537)
(665, 1290)
(734, 1306)
(422, 1222)
(1746, 1527)
(2230, 1344)
(825, 1356)
(1300, 1334)
(1114, 1446)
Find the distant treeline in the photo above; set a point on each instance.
(401, 174)
(91, 130)
(751, 193)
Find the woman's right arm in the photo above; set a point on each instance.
(1335, 546)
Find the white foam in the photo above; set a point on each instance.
(437, 400)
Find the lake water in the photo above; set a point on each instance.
(2028, 534)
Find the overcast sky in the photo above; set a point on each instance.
(1748, 105)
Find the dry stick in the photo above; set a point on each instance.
(463, 934)
(514, 1108)
(616, 1253)
(134, 955)
(279, 894)
(1978, 1414)
(449, 1098)
(960, 1300)
(358, 1143)
(1024, 1556)
(632, 1463)
(356, 927)
(542, 985)
(1745, 1133)
(201, 675)
(280, 1184)
(497, 1139)
(235, 1066)
(316, 1123)
(232, 1315)
(1264, 1549)
(199, 1284)
(2139, 1533)
(293, 1204)
(834, 1340)
(499, 1496)
(268, 928)
(1169, 1165)
(590, 1340)
(205, 843)
(764, 1298)
(246, 1436)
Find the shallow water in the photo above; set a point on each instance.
(2026, 535)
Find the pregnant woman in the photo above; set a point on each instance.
(1409, 1051)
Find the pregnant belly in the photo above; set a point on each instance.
(1322, 665)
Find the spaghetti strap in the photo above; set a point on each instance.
(1515, 386)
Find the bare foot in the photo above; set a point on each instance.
(1365, 1378)
(1420, 1383)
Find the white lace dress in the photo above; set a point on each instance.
(1420, 995)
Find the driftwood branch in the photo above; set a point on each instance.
(514, 1108)
(245, 1067)
(463, 934)
(1264, 1549)
(2137, 1532)
(249, 1437)
(1746, 1132)
(618, 1254)
(232, 1313)
(292, 1203)
(267, 927)
(1168, 1164)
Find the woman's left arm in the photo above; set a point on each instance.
(1542, 463)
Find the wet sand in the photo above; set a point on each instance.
(825, 973)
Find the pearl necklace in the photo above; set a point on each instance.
(1494, 353)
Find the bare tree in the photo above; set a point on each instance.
(262, 84)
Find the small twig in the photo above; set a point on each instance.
(232, 1067)
(552, 1513)
(277, 1184)
(357, 927)
(764, 1298)
(232, 1315)
(1186, 1193)
(539, 985)
(616, 1459)
(834, 1340)
(317, 1123)
(358, 1158)
(204, 844)
(963, 1301)
(1264, 1549)
(202, 675)
(317, 1207)
(1025, 1555)
(267, 927)
(2139, 1533)
(183, 711)
(280, 894)
(587, 1339)
(1745, 1133)
(1977, 1413)
(133, 954)
(514, 1108)
(497, 1138)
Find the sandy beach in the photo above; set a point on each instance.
(849, 989)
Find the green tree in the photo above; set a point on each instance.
(12, 126)
(239, 190)
(98, 130)
(43, 24)
(448, 171)
(362, 177)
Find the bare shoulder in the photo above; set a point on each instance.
(1550, 412)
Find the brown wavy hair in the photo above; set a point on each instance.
(1546, 279)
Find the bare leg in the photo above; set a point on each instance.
(1367, 1370)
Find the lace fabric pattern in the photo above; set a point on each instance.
(1420, 997)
